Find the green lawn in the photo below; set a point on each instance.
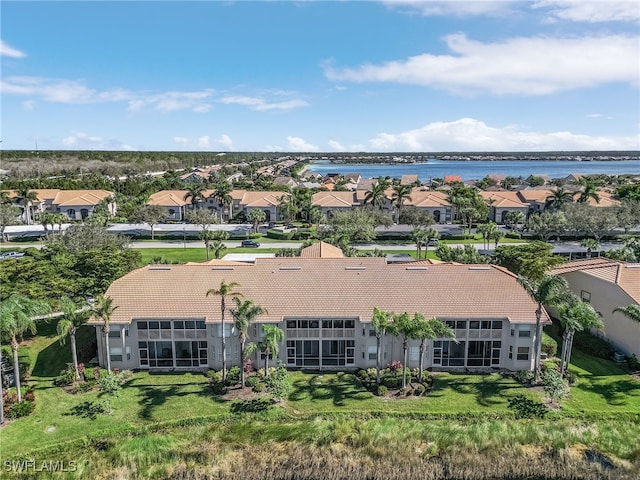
(149, 400)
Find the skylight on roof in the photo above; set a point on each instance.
(159, 268)
(290, 268)
(222, 268)
(479, 268)
(417, 268)
(355, 268)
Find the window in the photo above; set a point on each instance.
(585, 296)
(474, 325)
(511, 351)
(414, 354)
(524, 333)
(372, 331)
(523, 353)
(461, 324)
(496, 324)
(513, 332)
(373, 352)
(116, 354)
(227, 330)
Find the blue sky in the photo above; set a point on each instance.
(321, 76)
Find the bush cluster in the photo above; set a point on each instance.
(524, 377)
(391, 379)
(524, 407)
(593, 345)
(13, 409)
(549, 345)
(554, 384)
(112, 383)
(277, 383)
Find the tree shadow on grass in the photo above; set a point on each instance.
(255, 405)
(153, 395)
(89, 410)
(337, 388)
(619, 392)
(489, 391)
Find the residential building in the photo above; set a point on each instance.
(330, 202)
(608, 284)
(435, 202)
(324, 303)
(502, 202)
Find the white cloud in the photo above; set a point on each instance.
(591, 11)
(468, 134)
(336, 146)
(297, 144)
(76, 92)
(7, 50)
(260, 104)
(83, 140)
(518, 66)
(28, 105)
(223, 142)
(430, 8)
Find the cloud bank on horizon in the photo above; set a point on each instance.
(322, 76)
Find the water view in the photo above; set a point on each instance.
(478, 169)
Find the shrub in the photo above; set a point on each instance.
(524, 377)
(420, 389)
(382, 391)
(248, 366)
(593, 345)
(112, 384)
(633, 362)
(571, 377)
(252, 381)
(22, 409)
(277, 383)
(83, 387)
(233, 376)
(395, 365)
(258, 387)
(526, 408)
(554, 385)
(66, 377)
(408, 391)
(214, 376)
(549, 345)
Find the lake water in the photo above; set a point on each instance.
(479, 169)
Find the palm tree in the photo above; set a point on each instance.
(488, 231)
(575, 315)
(632, 311)
(512, 218)
(419, 236)
(26, 198)
(75, 315)
(46, 219)
(195, 193)
(381, 322)
(217, 247)
(243, 315)
(558, 199)
(225, 290)
(221, 193)
(404, 326)
(429, 330)
(103, 310)
(549, 290)
(590, 244)
(18, 316)
(431, 234)
(377, 196)
(58, 219)
(270, 344)
(399, 195)
(257, 216)
(590, 191)
(207, 236)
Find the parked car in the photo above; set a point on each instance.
(250, 243)
(431, 243)
(5, 255)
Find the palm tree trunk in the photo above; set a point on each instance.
(108, 353)
(16, 366)
(404, 366)
(224, 344)
(206, 247)
(378, 359)
(266, 362)
(74, 353)
(242, 374)
(570, 346)
(421, 360)
(537, 344)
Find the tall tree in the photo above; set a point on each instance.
(270, 344)
(17, 317)
(404, 326)
(546, 224)
(588, 192)
(575, 316)
(548, 290)
(377, 195)
(244, 314)
(149, 214)
(558, 199)
(431, 234)
(195, 194)
(222, 194)
(103, 310)
(8, 216)
(532, 260)
(76, 314)
(513, 218)
(419, 237)
(381, 321)
(429, 330)
(631, 311)
(256, 216)
(26, 197)
(225, 290)
(207, 236)
(398, 196)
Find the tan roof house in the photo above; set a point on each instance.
(436, 203)
(173, 200)
(80, 204)
(331, 202)
(324, 304)
(608, 284)
(409, 179)
(502, 202)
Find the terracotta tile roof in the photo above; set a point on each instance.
(626, 275)
(80, 197)
(534, 195)
(408, 179)
(262, 199)
(321, 250)
(47, 193)
(504, 199)
(169, 198)
(421, 197)
(452, 178)
(324, 287)
(334, 199)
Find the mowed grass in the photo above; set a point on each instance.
(153, 400)
(184, 255)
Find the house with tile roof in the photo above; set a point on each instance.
(324, 303)
(330, 202)
(608, 284)
(502, 202)
(435, 202)
(79, 204)
(173, 201)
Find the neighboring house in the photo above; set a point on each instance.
(268, 202)
(79, 204)
(286, 181)
(503, 202)
(331, 202)
(436, 203)
(573, 178)
(173, 201)
(535, 198)
(324, 304)
(452, 179)
(608, 284)
(409, 179)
